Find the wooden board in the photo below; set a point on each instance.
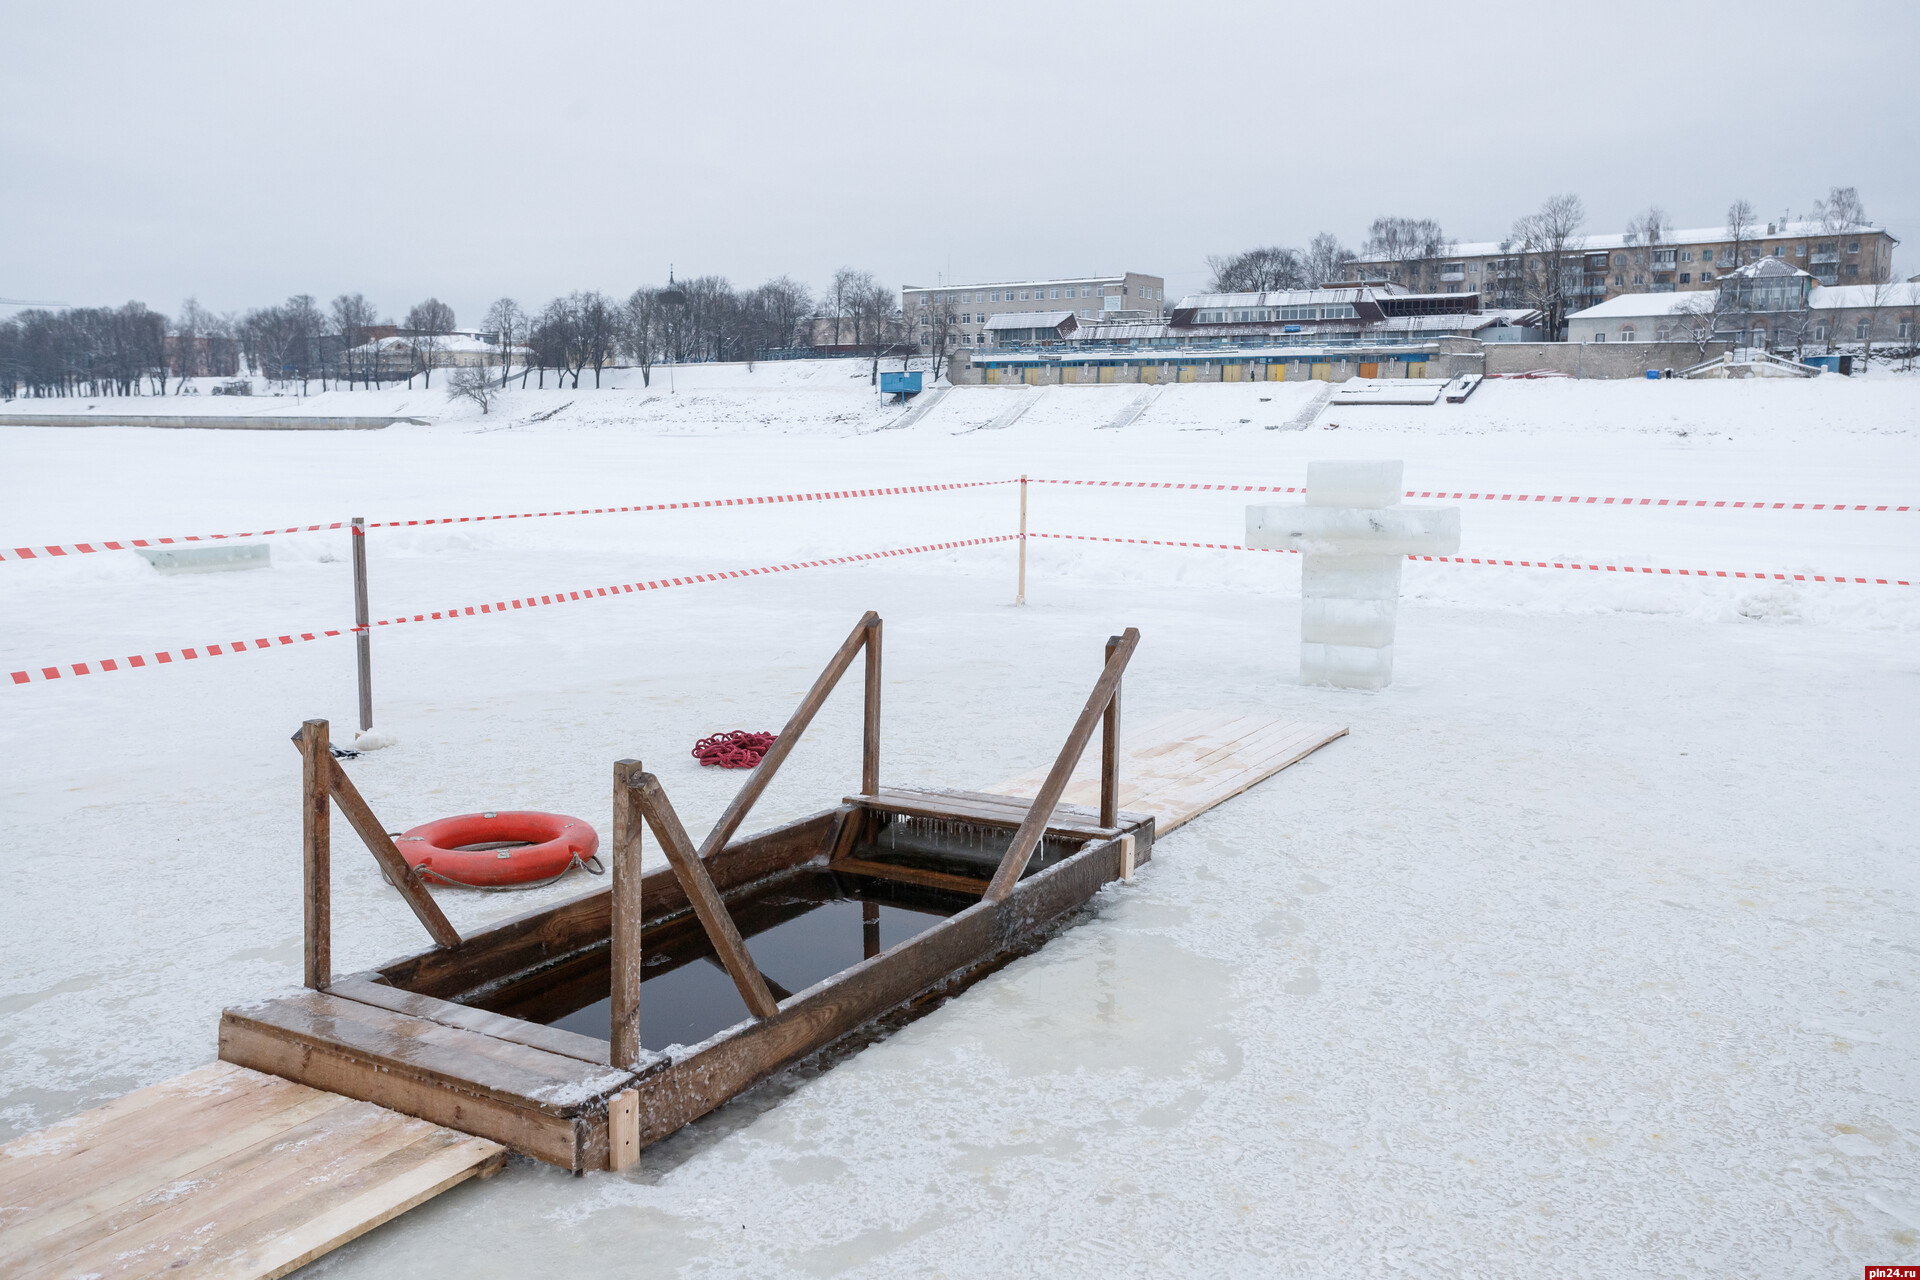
(1181, 765)
(220, 1172)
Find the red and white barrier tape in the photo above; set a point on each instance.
(128, 544)
(1500, 497)
(1757, 575)
(169, 656)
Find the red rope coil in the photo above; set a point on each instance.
(740, 749)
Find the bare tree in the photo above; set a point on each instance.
(429, 324)
(192, 331)
(640, 332)
(1701, 315)
(508, 324)
(843, 296)
(472, 383)
(1405, 242)
(877, 317)
(1841, 211)
(1549, 245)
(1740, 230)
(943, 322)
(352, 316)
(1326, 259)
(1258, 270)
(596, 318)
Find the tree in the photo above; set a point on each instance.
(1840, 212)
(775, 312)
(1543, 242)
(596, 318)
(1740, 230)
(1404, 242)
(643, 320)
(875, 315)
(1258, 270)
(843, 295)
(1326, 259)
(428, 324)
(1698, 317)
(942, 322)
(508, 324)
(474, 384)
(191, 331)
(353, 317)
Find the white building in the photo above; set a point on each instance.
(1130, 295)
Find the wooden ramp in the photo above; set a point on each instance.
(221, 1172)
(1182, 765)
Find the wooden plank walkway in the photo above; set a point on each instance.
(221, 1172)
(1181, 765)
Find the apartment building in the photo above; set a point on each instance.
(1596, 268)
(1130, 295)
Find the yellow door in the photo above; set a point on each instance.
(1417, 370)
(1276, 373)
(1106, 373)
(1033, 375)
(993, 376)
(1149, 373)
(1188, 373)
(1322, 371)
(1230, 373)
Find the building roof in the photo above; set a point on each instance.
(1898, 294)
(1767, 267)
(1632, 306)
(1114, 278)
(1803, 229)
(1275, 298)
(1467, 323)
(1029, 319)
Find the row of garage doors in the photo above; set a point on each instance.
(1295, 371)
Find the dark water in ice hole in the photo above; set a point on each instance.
(807, 928)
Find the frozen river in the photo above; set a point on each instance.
(1591, 951)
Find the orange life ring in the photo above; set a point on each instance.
(554, 842)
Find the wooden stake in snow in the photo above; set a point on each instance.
(1021, 597)
(362, 637)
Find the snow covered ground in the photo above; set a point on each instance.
(1592, 951)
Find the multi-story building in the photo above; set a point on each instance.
(1595, 268)
(1129, 295)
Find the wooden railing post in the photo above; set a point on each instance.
(316, 851)
(1110, 751)
(628, 825)
(1034, 826)
(870, 735)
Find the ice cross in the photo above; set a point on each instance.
(1353, 535)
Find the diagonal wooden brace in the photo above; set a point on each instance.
(374, 835)
(1105, 691)
(707, 902)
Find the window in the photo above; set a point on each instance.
(1619, 259)
(1800, 251)
(1619, 280)
(1628, 333)
(1599, 337)
(1906, 330)
(1706, 255)
(1820, 331)
(1705, 276)
(1853, 246)
(1853, 268)
(1779, 250)
(1638, 278)
(996, 297)
(1053, 293)
(1024, 295)
(1659, 335)
(1686, 277)
(1687, 256)
(1085, 292)
(1860, 331)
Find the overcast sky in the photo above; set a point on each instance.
(242, 153)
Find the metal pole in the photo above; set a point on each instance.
(362, 639)
(1021, 598)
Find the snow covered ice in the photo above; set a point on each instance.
(1591, 951)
